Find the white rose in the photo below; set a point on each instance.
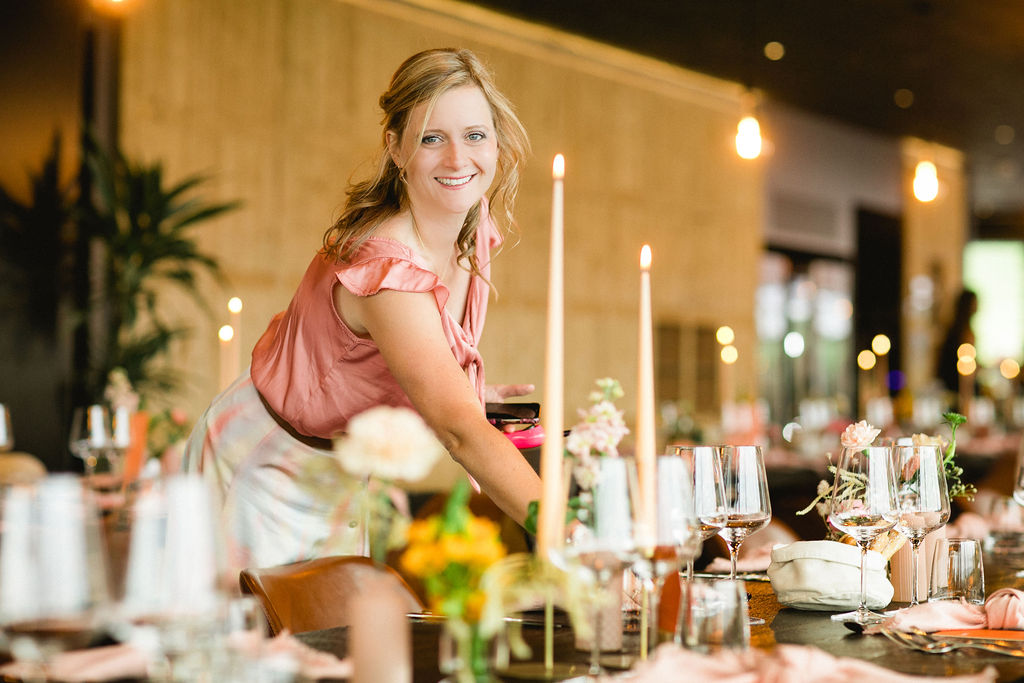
(388, 443)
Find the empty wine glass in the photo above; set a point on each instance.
(863, 505)
(705, 467)
(676, 539)
(745, 494)
(922, 496)
(91, 435)
(602, 543)
(53, 581)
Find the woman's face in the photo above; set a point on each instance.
(450, 166)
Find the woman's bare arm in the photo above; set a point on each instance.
(407, 330)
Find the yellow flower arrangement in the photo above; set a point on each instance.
(450, 552)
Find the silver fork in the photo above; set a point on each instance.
(925, 642)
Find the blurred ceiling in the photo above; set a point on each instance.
(962, 60)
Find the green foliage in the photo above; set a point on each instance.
(957, 488)
(145, 224)
(35, 242)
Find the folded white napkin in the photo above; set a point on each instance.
(825, 575)
(785, 664)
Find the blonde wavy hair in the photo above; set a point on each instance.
(423, 78)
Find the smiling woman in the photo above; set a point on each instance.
(389, 312)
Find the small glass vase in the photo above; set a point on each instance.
(463, 653)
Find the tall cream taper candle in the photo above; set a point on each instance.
(551, 516)
(645, 436)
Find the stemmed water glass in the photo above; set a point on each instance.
(675, 538)
(748, 508)
(922, 497)
(91, 435)
(53, 581)
(603, 542)
(863, 505)
(705, 467)
(170, 600)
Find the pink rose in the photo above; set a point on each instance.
(1005, 609)
(179, 416)
(859, 435)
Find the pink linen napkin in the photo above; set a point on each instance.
(313, 663)
(1005, 609)
(757, 560)
(81, 666)
(784, 664)
(935, 616)
(968, 525)
(113, 662)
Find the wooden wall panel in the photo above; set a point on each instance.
(277, 99)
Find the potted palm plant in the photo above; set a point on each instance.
(142, 232)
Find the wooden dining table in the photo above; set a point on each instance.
(783, 625)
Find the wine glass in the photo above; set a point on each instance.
(602, 543)
(170, 600)
(748, 508)
(53, 581)
(91, 435)
(675, 538)
(922, 497)
(705, 467)
(864, 505)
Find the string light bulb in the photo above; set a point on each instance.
(926, 181)
(748, 130)
(748, 138)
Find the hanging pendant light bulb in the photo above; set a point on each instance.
(748, 131)
(926, 181)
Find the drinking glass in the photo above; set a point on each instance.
(922, 497)
(957, 571)
(705, 467)
(170, 603)
(6, 435)
(91, 435)
(713, 615)
(675, 538)
(863, 505)
(745, 494)
(53, 581)
(603, 542)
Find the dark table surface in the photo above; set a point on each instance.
(783, 626)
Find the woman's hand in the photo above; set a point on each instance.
(497, 393)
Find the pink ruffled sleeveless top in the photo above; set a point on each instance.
(317, 374)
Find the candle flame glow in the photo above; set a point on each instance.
(226, 333)
(558, 167)
(235, 304)
(645, 257)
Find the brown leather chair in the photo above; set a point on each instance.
(315, 594)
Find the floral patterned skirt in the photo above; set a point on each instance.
(280, 500)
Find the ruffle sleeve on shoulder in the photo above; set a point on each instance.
(369, 276)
